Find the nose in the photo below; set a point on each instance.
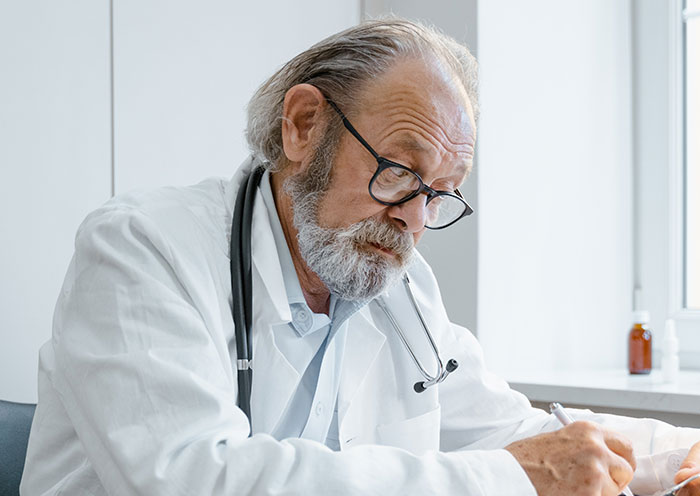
(410, 216)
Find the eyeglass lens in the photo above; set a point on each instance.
(395, 184)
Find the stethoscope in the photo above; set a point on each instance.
(242, 304)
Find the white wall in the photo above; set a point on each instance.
(54, 164)
(555, 270)
(182, 71)
(451, 253)
(185, 70)
(553, 157)
(651, 153)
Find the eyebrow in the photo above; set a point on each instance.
(407, 142)
(410, 143)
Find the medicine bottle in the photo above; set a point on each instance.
(639, 344)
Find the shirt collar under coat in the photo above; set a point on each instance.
(304, 320)
(363, 343)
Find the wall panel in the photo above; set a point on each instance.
(185, 70)
(452, 253)
(54, 164)
(555, 184)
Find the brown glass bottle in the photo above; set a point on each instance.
(639, 345)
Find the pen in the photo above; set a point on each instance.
(559, 412)
(563, 417)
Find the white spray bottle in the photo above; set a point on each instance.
(669, 360)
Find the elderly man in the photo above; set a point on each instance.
(364, 140)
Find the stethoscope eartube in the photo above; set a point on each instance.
(442, 370)
(242, 300)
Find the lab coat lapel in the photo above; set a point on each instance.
(364, 342)
(374, 404)
(267, 263)
(264, 251)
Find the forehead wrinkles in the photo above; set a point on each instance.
(449, 130)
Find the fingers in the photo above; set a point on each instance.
(690, 467)
(621, 472)
(580, 458)
(692, 489)
(691, 464)
(686, 473)
(621, 446)
(614, 453)
(609, 475)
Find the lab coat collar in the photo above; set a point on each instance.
(304, 320)
(264, 253)
(266, 261)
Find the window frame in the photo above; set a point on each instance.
(687, 320)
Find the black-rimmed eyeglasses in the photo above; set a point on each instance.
(393, 184)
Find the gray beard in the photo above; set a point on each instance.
(341, 257)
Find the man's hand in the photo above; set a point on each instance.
(690, 467)
(581, 459)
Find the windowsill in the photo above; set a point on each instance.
(612, 389)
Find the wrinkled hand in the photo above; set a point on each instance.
(690, 467)
(581, 459)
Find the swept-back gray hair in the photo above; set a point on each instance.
(340, 64)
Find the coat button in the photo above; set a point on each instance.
(302, 320)
(319, 409)
(674, 462)
(303, 315)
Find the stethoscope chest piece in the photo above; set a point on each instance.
(443, 370)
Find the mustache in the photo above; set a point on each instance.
(383, 234)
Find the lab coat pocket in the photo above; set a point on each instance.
(417, 435)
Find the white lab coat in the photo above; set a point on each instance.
(137, 387)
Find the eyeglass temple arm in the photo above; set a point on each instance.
(359, 138)
(469, 210)
(352, 130)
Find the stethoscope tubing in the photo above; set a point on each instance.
(242, 300)
(442, 370)
(402, 337)
(242, 285)
(407, 284)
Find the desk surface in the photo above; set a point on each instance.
(613, 389)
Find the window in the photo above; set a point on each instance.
(683, 295)
(667, 169)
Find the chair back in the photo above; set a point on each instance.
(15, 423)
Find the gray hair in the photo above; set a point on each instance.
(340, 64)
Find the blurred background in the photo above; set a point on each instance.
(586, 184)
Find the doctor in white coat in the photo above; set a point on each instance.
(138, 389)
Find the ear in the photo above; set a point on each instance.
(302, 122)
